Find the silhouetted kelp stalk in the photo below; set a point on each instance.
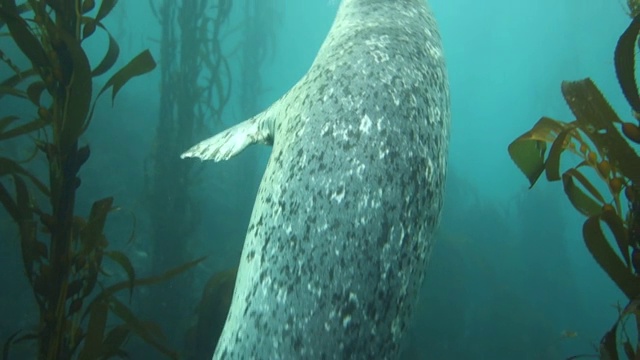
(194, 91)
(61, 251)
(594, 137)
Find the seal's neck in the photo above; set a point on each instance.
(362, 7)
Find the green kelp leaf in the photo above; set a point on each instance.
(625, 63)
(152, 280)
(78, 92)
(23, 129)
(581, 201)
(529, 157)
(616, 225)
(124, 261)
(596, 119)
(586, 183)
(607, 259)
(528, 150)
(23, 37)
(105, 8)
(141, 64)
(95, 331)
(110, 58)
(140, 328)
(552, 164)
(34, 92)
(10, 167)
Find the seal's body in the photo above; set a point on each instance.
(342, 226)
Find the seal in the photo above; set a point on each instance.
(342, 227)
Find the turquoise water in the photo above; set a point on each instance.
(510, 277)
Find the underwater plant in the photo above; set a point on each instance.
(195, 80)
(63, 252)
(603, 143)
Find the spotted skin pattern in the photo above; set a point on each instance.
(343, 222)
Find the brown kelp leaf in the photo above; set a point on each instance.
(619, 231)
(95, 331)
(125, 263)
(22, 198)
(105, 8)
(628, 349)
(528, 155)
(29, 247)
(596, 118)
(607, 259)
(74, 288)
(9, 204)
(75, 306)
(625, 63)
(581, 201)
(585, 183)
(21, 8)
(17, 79)
(114, 340)
(608, 349)
(6, 121)
(88, 5)
(34, 91)
(9, 90)
(79, 92)
(528, 150)
(139, 328)
(31, 126)
(91, 233)
(10, 167)
(7, 345)
(89, 27)
(23, 37)
(141, 64)
(110, 58)
(552, 164)
(111, 290)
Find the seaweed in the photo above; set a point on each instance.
(603, 143)
(63, 252)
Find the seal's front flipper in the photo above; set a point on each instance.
(223, 146)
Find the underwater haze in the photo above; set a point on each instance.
(510, 275)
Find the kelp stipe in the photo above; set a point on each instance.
(63, 252)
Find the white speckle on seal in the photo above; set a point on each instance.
(338, 195)
(282, 296)
(346, 321)
(365, 124)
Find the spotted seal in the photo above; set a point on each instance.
(342, 226)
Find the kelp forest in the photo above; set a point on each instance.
(84, 294)
(112, 247)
